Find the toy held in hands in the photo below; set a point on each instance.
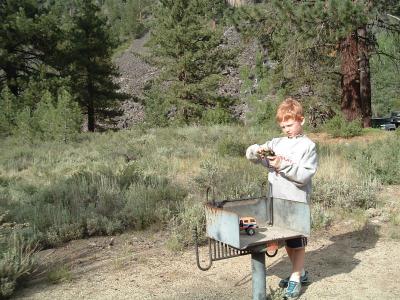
(267, 152)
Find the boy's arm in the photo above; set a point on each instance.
(300, 173)
(254, 157)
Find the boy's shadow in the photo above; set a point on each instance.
(332, 259)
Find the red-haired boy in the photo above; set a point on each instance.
(290, 173)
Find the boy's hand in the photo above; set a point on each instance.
(275, 162)
(265, 152)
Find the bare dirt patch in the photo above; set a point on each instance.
(346, 262)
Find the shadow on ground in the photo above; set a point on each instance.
(336, 257)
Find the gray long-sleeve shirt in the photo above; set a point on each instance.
(298, 165)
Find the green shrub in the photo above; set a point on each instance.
(321, 218)
(7, 112)
(190, 216)
(216, 115)
(233, 178)
(345, 194)
(95, 204)
(24, 128)
(16, 262)
(147, 204)
(48, 121)
(245, 74)
(60, 122)
(262, 113)
(164, 107)
(130, 174)
(339, 127)
(379, 159)
(231, 147)
(59, 274)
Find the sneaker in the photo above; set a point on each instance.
(303, 279)
(293, 290)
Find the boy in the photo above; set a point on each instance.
(291, 166)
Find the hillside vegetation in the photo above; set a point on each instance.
(205, 88)
(109, 182)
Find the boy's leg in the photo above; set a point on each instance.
(296, 252)
(297, 259)
(295, 249)
(289, 252)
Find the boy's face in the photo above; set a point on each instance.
(291, 127)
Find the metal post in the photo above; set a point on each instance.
(258, 273)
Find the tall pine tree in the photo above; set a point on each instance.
(89, 62)
(28, 41)
(186, 40)
(325, 44)
(337, 33)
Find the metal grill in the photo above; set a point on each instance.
(222, 251)
(277, 220)
(216, 251)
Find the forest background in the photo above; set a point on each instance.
(67, 172)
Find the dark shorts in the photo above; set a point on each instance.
(297, 242)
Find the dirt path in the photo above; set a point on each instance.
(344, 264)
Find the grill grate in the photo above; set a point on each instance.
(216, 251)
(223, 251)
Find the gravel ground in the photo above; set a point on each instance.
(343, 263)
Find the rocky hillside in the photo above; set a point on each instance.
(136, 72)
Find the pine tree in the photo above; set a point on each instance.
(68, 117)
(53, 120)
(190, 48)
(28, 40)
(24, 129)
(385, 75)
(89, 62)
(335, 32)
(44, 117)
(7, 111)
(126, 17)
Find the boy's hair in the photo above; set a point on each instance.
(289, 109)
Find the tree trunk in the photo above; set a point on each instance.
(365, 77)
(350, 78)
(90, 108)
(356, 84)
(11, 78)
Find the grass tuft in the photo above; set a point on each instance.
(59, 274)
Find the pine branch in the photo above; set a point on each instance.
(392, 57)
(384, 25)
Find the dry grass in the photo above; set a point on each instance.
(159, 176)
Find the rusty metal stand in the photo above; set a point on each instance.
(259, 282)
(219, 251)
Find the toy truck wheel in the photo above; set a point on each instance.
(250, 231)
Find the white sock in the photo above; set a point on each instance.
(295, 277)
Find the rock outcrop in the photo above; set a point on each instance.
(136, 72)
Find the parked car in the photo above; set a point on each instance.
(395, 118)
(388, 126)
(387, 122)
(248, 224)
